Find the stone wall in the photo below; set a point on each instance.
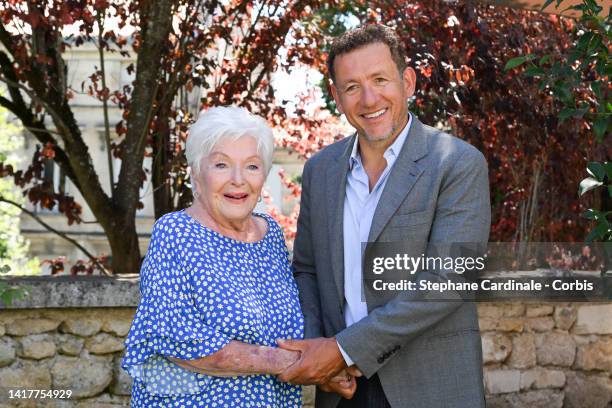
(70, 349)
(547, 355)
(69, 334)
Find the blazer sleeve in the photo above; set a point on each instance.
(304, 263)
(463, 214)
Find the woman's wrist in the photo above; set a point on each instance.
(279, 360)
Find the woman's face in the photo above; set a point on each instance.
(230, 180)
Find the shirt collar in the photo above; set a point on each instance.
(392, 151)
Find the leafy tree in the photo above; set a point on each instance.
(459, 51)
(12, 245)
(228, 49)
(580, 80)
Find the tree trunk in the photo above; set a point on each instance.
(123, 241)
(162, 194)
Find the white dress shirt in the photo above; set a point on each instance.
(359, 206)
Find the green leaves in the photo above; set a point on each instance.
(602, 231)
(591, 214)
(596, 88)
(601, 126)
(597, 170)
(599, 173)
(548, 2)
(608, 168)
(603, 228)
(518, 61)
(567, 113)
(9, 294)
(534, 71)
(584, 65)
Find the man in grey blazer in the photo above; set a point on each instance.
(395, 180)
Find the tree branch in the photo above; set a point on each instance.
(41, 89)
(91, 257)
(156, 23)
(107, 137)
(40, 132)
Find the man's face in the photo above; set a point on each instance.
(371, 93)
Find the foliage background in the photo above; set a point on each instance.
(13, 248)
(459, 50)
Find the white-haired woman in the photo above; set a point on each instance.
(217, 289)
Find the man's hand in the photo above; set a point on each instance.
(320, 360)
(353, 371)
(342, 384)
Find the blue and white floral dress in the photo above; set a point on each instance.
(200, 290)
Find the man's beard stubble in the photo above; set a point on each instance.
(378, 138)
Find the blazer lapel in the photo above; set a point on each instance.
(404, 174)
(336, 192)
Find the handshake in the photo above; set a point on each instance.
(319, 362)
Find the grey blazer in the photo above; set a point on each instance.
(426, 354)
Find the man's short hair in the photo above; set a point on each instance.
(366, 35)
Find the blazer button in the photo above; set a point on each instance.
(380, 360)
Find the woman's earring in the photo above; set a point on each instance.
(259, 199)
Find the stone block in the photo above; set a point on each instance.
(556, 348)
(83, 327)
(495, 347)
(24, 327)
(587, 392)
(26, 375)
(565, 316)
(542, 378)
(523, 351)
(539, 310)
(595, 356)
(502, 381)
(510, 324)
(122, 382)
(540, 324)
(37, 346)
(86, 376)
(7, 351)
(490, 310)
(2, 330)
(104, 401)
(119, 327)
(514, 309)
(594, 319)
(487, 324)
(531, 399)
(79, 291)
(104, 343)
(69, 344)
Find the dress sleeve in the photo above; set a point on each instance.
(167, 323)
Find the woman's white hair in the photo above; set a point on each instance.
(229, 122)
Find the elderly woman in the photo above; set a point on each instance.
(217, 289)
